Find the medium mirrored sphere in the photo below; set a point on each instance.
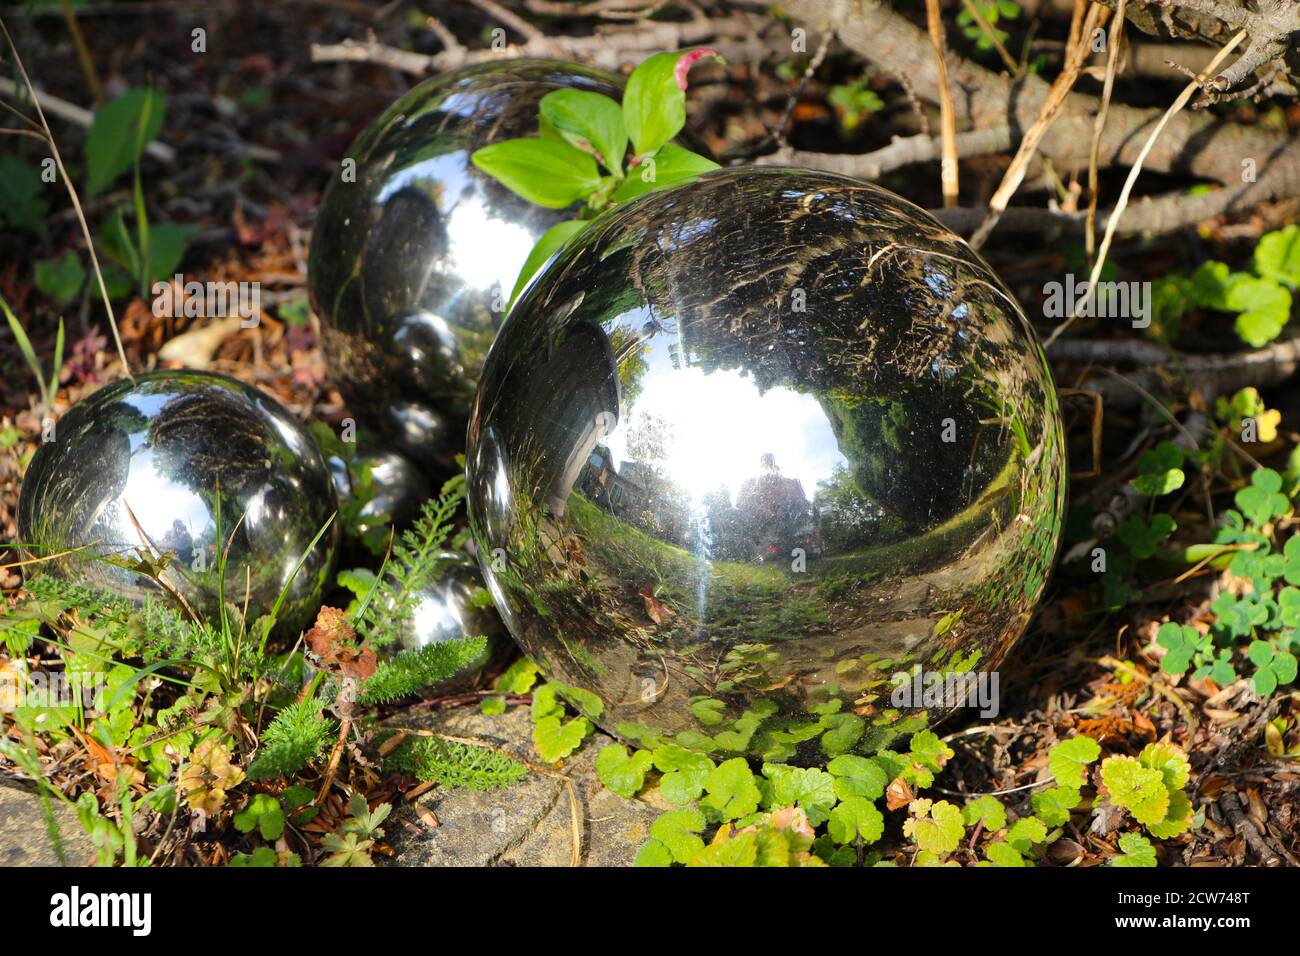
(154, 465)
(397, 486)
(415, 251)
(446, 610)
(753, 450)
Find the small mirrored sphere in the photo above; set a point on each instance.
(156, 465)
(756, 454)
(447, 611)
(415, 251)
(397, 486)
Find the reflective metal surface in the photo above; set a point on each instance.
(398, 486)
(413, 261)
(752, 446)
(141, 466)
(446, 612)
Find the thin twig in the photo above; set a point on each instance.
(947, 116)
(1112, 58)
(1113, 221)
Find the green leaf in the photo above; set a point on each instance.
(654, 102)
(732, 792)
(1026, 832)
(1138, 851)
(588, 121)
(167, 243)
(264, 814)
(1160, 470)
(1265, 306)
(857, 777)
(684, 773)
(854, 817)
(1054, 804)
(842, 732)
(677, 831)
(810, 789)
(550, 174)
(556, 738)
(936, 827)
(1140, 790)
(654, 853)
(1262, 500)
(117, 137)
(1277, 256)
(620, 773)
(1209, 286)
(518, 678)
(671, 164)
(61, 279)
(986, 810)
(21, 203)
(551, 242)
(1004, 854)
(1069, 759)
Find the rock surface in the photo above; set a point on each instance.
(528, 824)
(24, 835)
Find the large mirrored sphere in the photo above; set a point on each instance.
(142, 466)
(752, 446)
(415, 251)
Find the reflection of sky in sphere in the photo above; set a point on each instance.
(483, 249)
(719, 428)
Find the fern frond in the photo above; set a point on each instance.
(416, 562)
(292, 740)
(454, 764)
(419, 667)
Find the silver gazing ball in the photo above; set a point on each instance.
(142, 466)
(399, 487)
(754, 445)
(446, 611)
(415, 251)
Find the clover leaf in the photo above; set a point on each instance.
(1274, 667)
(1265, 307)
(1182, 642)
(1141, 537)
(1160, 470)
(1262, 500)
(263, 814)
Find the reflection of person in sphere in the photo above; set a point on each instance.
(179, 541)
(777, 513)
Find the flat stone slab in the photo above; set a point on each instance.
(25, 836)
(528, 824)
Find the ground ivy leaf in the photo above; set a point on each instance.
(732, 792)
(854, 817)
(556, 738)
(1277, 256)
(1004, 854)
(936, 827)
(684, 772)
(621, 773)
(857, 777)
(1138, 851)
(1054, 804)
(654, 853)
(1069, 758)
(810, 789)
(1025, 832)
(678, 832)
(1138, 789)
(987, 810)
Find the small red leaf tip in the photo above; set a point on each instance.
(688, 60)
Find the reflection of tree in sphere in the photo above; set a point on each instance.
(774, 435)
